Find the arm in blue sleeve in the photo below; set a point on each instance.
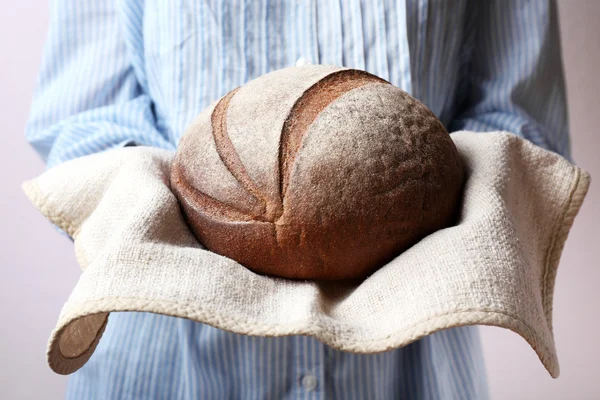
(514, 80)
(88, 96)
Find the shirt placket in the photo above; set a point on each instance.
(306, 33)
(309, 376)
(309, 353)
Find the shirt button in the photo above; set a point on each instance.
(302, 61)
(309, 382)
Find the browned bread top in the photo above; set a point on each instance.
(316, 172)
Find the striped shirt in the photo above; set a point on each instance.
(136, 72)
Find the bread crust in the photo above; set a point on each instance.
(360, 172)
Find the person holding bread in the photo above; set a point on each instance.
(133, 73)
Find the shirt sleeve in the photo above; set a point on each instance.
(514, 80)
(88, 97)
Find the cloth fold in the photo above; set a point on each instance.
(496, 266)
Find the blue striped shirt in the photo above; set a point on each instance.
(135, 72)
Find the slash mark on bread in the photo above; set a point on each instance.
(227, 151)
(304, 112)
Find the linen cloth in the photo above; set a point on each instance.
(496, 266)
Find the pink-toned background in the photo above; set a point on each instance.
(39, 268)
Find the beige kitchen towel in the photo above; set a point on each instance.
(497, 266)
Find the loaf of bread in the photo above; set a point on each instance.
(316, 172)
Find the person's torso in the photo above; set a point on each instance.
(187, 54)
(193, 52)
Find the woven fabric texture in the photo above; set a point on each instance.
(496, 266)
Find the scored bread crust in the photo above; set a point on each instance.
(271, 204)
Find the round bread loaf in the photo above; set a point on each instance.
(316, 172)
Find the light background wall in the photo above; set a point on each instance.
(38, 268)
